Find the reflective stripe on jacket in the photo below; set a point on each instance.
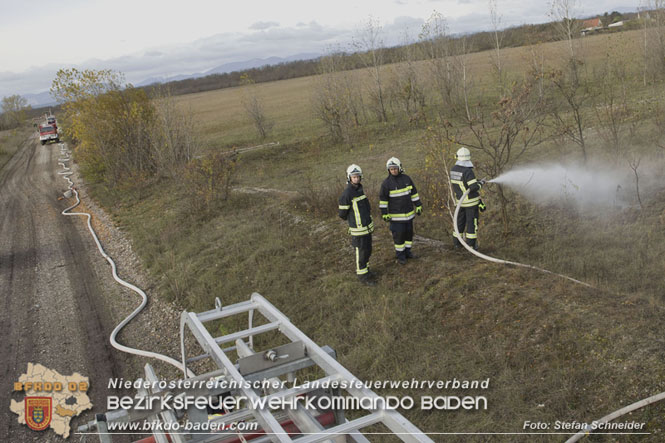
(354, 207)
(398, 196)
(461, 179)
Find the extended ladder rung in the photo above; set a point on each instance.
(236, 335)
(227, 311)
(247, 332)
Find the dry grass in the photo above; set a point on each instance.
(223, 122)
(553, 350)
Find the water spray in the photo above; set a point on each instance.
(498, 260)
(589, 186)
(588, 428)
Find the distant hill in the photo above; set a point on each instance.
(44, 99)
(231, 67)
(40, 100)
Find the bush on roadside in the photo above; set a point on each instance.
(209, 179)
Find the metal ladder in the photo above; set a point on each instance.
(298, 353)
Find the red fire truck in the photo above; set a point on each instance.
(48, 132)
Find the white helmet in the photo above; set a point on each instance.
(393, 162)
(463, 154)
(353, 170)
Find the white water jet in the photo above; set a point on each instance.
(559, 184)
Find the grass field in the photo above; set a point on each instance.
(552, 350)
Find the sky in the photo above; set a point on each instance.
(149, 38)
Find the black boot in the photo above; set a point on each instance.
(366, 280)
(410, 254)
(456, 244)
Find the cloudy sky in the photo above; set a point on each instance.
(148, 38)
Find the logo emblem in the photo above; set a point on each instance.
(38, 412)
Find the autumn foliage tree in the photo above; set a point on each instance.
(118, 131)
(109, 122)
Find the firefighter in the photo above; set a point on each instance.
(399, 203)
(461, 179)
(354, 207)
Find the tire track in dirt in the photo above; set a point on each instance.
(52, 297)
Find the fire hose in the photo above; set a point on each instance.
(615, 414)
(605, 419)
(498, 260)
(73, 192)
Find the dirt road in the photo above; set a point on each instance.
(58, 301)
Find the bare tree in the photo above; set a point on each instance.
(645, 60)
(614, 113)
(537, 68)
(569, 106)
(174, 141)
(407, 88)
(563, 13)
(504, 131)
(337, 100)
(369, 46)
(634, 163)
(461, 61)
(447, 67)
(653, 16)
(572, 89)
(497, 39)
(255, 108)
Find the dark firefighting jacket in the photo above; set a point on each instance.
(461, 179)
(354, 207)
(397, 197)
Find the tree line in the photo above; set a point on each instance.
(515, 36)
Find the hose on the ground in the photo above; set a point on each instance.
(66, 173)
(607, 418)
(498, 260)
(619, 413)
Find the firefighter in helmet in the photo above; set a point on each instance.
(462, 179)
(399, 203)
(355, 209)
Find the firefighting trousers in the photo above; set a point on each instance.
(403, 238)
(363, 247)
(467, 219)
